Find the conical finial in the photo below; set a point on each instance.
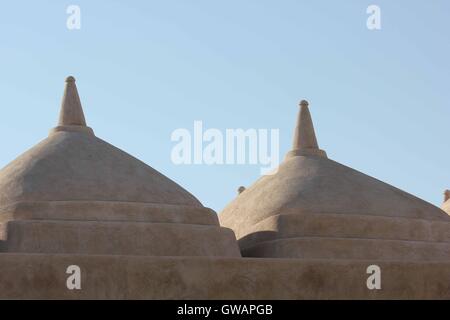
(71, 116)
(304, 135)
(305, 142)
(71, 111)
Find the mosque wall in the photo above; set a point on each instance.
(130, 277)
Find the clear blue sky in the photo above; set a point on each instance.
(380, 100)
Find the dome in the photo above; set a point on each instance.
(72, 166)
(75, 193)
(311, 197)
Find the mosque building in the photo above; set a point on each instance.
(309, 231)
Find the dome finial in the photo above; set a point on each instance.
(305, 142)
(71, 111)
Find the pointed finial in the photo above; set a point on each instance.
(71, 116)
(71, 111)
(305, 142)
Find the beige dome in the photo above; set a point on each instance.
(313, 196)
(70, 166)
(310, 184)
(73, 164)
(75, 193)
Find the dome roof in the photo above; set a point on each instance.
(311, 195)
(74, 193)
(312, 184)
(73, 164)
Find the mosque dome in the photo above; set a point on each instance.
(75, 193)
(315, 207)
(73, 164)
